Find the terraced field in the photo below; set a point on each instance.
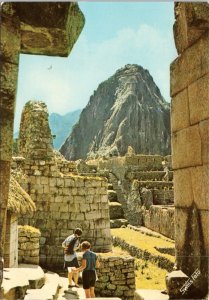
(151, 263)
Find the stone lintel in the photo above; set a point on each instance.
(49, 28)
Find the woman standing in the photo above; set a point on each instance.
(88, 266)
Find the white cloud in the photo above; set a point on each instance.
(70, 82)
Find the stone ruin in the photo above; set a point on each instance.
(189, 113)
(140, 190)
(64, 200)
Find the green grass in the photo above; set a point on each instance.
(143, 241)
(148, 275)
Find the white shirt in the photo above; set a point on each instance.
(70, 257)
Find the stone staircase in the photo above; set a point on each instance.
(29, 282)
(116, 210)
(49, 290)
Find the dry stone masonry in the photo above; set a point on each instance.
(142, 190)
(28, 245)
(63, 200)
(116, 277)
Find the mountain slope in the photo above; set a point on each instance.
(61, 126)
(127, 109)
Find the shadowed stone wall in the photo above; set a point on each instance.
(190, 140)
(11, 242)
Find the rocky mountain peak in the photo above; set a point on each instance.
(126, 109)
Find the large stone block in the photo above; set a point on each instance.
(204, 133)
(8, 77)
(192, 20)
(10, 40)
(6, 125)
(186, 148)
(199, 99)
(200, 186)
(183, 194)
(176, 284)
(190, 66)
(180, 111)
(181, 218)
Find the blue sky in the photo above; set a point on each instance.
(115, 34)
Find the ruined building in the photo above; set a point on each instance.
(63, 199)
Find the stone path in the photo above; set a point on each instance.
(150, 295)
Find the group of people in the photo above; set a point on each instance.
(88, 265)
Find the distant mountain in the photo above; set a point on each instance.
(61, 126)
(127, 109)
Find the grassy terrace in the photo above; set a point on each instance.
(143, 241)
(148, 273)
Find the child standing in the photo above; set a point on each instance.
(88, 266)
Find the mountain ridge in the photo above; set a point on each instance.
(126, 109)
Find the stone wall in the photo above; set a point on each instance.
(11, 242)
(139, 181)
(190, 140)
(120, 166)
(63, 199)
(162, 262)
(160, 219)
(116, 277)
(64, 202)
(28, 245)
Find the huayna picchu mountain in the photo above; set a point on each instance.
(127, 109)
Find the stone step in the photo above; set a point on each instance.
(150, 184)
(69, 293)
(149, 175)
(117, 223)
(16, 281)
(112, 196)
(116, 211)
(150, 295)
(48, 292)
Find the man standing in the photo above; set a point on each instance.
(70, 245)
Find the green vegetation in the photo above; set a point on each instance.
(148, 275)
(144, 242)
(29, 228)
